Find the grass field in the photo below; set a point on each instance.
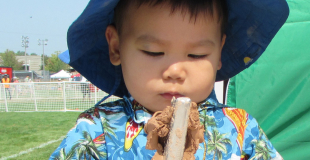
(20, 131)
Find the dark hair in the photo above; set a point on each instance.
(194, 7)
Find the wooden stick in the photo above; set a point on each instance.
(178, 129)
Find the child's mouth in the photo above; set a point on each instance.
(170, 95)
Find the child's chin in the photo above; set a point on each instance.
(157, 108)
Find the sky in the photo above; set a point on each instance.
(37, 19)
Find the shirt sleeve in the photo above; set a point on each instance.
(256, 145)
(82, 141)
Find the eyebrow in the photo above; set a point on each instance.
(150, 39)
(205, 42)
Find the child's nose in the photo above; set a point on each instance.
(175, 72)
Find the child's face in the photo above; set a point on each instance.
(164, 55)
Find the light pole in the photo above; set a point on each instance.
(25, 44)
(43, 43)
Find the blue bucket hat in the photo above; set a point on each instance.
(252, 24)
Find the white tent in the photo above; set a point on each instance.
(61, 74)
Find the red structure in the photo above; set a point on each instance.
(6, 70)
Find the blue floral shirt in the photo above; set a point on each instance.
(114, 131)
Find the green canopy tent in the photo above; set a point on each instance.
(276, 88)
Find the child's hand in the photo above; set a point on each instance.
(158, 128)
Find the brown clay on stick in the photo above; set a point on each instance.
(159, 127)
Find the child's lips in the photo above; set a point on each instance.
(170, 95)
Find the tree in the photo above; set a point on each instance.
(21, 53)
(54, 64)
(9, 60)
(33, 54)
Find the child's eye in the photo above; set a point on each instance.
(154, 54)
(197, 56)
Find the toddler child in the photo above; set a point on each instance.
(148, 51)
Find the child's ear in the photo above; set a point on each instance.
(113, 42)
(219, 65)
(222, 44)
(223, 40)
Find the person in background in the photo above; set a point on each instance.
(15, 87)
(60, 86)
(15, 80)
(27, 88)
(6, 79)
(85, 88)
(26, 79)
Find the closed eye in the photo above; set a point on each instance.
(197, 56)
(153, 54)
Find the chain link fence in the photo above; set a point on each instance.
(49, 96)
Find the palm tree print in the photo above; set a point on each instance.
(63, 156)
(262, 151)
(206, 120)
(87, 148)
(107, 129)
(217, 144)
(261, 134)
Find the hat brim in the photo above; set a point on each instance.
(252, 24)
